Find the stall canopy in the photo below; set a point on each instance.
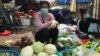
(62, 2)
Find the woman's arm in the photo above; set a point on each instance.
(78, 28)
(38, 22)
(52, 17)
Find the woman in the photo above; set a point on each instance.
(84, 22)
(46, 24)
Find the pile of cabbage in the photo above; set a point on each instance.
(39, 49)
(67, 37)
(64, 30)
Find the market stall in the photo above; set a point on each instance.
(68, 42)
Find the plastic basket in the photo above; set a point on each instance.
(69, 50)
(9, 52)
(58, 54)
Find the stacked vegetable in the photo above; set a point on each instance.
(67, 37)
(64, 29)
(67, 52)
(67, 42)
(89, 44)
(80, 51)
(39, 49)
(98, 48)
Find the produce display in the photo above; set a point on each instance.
(89, 44)
(98, 48)
(50, 49)
(42, 54)
(67, 53)
(8, 43)
(39, 49)
(66, 42)
(27, 51)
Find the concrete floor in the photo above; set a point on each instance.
(17, 36)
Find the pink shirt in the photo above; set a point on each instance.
(39, 18)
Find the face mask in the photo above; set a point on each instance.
(44, 11)
(87, 16)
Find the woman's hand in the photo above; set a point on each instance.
(53, 24)
(91, 36)
(73, 28)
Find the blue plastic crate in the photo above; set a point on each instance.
(16, 53)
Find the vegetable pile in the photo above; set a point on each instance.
(39, 49)
(67, 42)
(67, 53)
(27, 51)
(98, 48)
(89, 44)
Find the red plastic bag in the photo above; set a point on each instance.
(84, 41)
(18, 14)
(31, 12)
(5, 33)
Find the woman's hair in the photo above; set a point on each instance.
(83, 11)
(44, 2)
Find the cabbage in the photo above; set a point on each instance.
(42, 54)
(8, 43)
(50, 49)
(34, 55)
(27, 51)
(38, 47)
(53, 55)
(80, 51)
(62, 30)
(5, 54)
(61, 40)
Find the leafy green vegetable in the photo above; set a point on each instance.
(38, 47)
(67, 53)
(50, 49)
(8, 43)
(42, 54)
(53, 55)
(27, 51)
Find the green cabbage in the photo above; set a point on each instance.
(34, 55)
(63, 30)
(53, 55)
(9, 43)
(38, 47)
(42, 54)
(50, 49)
(27, 51)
